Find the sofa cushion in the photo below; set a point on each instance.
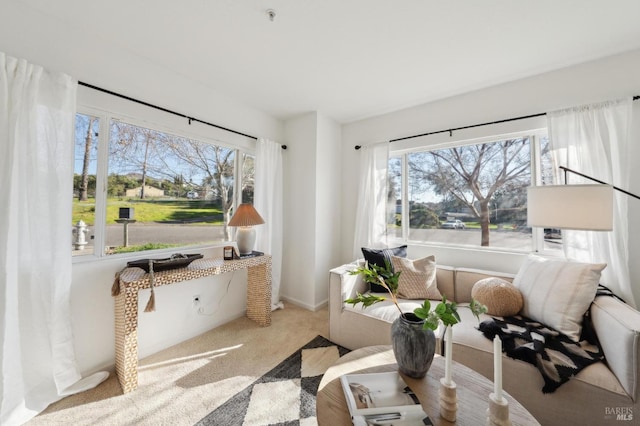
(380, 257)
(558, 292)
(445, 277)
(417, 277)
(500, 297)
(465, 279)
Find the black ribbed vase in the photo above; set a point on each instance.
(413, 346)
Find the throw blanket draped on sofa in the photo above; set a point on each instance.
(556, 356)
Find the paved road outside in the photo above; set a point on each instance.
(140, 233)
(506, 239)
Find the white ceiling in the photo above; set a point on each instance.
(350, 59)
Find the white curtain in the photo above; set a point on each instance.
(371, 211)
(268, 202)
(594, 140)
(37, 110)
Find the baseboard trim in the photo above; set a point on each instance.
(304, 305)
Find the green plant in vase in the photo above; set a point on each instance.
(412, 333)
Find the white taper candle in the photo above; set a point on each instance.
(497, 368)
(447, 353)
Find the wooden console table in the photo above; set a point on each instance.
(132, 280)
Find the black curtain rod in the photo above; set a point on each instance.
(190, 119)
(566, 169)
(450, 131)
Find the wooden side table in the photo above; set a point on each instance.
(132, 280)
(473, 390)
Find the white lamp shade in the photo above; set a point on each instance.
(584, 207)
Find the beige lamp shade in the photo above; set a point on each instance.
(584, 207)
(246, 215)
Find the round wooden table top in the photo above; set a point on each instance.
(473, 390)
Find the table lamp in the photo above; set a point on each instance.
(245, 218)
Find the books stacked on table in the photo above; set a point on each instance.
(252, 254)
(382, 399)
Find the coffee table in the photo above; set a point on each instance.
(473, 389)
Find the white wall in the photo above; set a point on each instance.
(328, 205)
(600, 80)
(312, 208)
(634, 204)
(298, 283)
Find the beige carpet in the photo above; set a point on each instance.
(182, 384)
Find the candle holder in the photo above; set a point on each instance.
(448, 400)
(498, 411)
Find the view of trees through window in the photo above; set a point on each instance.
(472, 195)
(84, 181)
(181, 191)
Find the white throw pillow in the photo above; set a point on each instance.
(557, 293)
(417, 278)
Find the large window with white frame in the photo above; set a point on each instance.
(141, 188)
(471, 194)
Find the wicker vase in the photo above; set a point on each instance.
(413, 346)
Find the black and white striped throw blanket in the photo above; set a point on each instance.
(557, 357)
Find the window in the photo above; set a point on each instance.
(161, 190)
(551, 238)
(84, 182)
(394, 200)
(248, 175)
(470, 194)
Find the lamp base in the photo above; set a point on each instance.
(246, 239)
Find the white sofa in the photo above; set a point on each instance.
(603, 393)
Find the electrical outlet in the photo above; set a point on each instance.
(196, 301)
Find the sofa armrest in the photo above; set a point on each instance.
(618, 328)
(343, 285)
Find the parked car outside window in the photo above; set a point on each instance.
(453, 224)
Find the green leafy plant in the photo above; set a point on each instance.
(445, 311)
(374, 274)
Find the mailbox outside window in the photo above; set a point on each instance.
(126, 213)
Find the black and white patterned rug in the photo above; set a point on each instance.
(286, 395)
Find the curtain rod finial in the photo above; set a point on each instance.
(358, 147)
(284, 147)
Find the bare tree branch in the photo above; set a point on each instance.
(473, 174)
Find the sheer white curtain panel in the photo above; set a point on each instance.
(268, 202)
(594, 140)
(37, 110)
(371, 210)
